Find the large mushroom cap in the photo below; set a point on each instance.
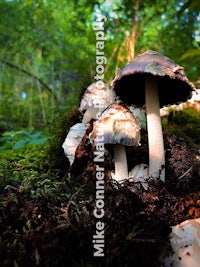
(173, 85)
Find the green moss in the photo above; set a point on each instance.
(59, 128)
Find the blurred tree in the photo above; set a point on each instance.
(47, 48)
(137, 26)
(44, 45)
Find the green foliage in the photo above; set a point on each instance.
(169, 29)
(36, 162)
(50, 33)
(28, 170)
(20, 139)
(59, 128)
(191, 53)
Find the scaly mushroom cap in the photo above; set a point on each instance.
(119, 126)
(173, 85)
(96, 95)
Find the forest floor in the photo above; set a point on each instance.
(55, 227)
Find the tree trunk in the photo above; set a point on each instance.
(129, 43)
(42, 104)
(132, 39)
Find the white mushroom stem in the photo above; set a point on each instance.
(154, 127)
(121, 168)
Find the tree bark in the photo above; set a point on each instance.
(130, 39)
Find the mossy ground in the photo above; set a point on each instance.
(46, 213)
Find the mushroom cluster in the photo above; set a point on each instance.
(155, 81)
(121, 127)
(151, 80)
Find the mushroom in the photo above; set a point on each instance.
(139, 173)
(185, 244)
(119, 129)
(72, 140)
(154, 80)
(96, 98)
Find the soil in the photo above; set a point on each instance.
(41, 231)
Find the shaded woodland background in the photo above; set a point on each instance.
(47, 52)
(47, 59)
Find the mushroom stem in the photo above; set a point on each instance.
(121, 168)
(154, 127)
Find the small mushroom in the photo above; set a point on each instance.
(139, 173)
(119, 129)
(72, 140)
(96, 98)
(185, 243)
(154, 80)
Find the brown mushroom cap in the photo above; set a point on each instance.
(119, 126)
(173, 85)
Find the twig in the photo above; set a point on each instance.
(70, 202)
(185, 173)
(145, 240)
